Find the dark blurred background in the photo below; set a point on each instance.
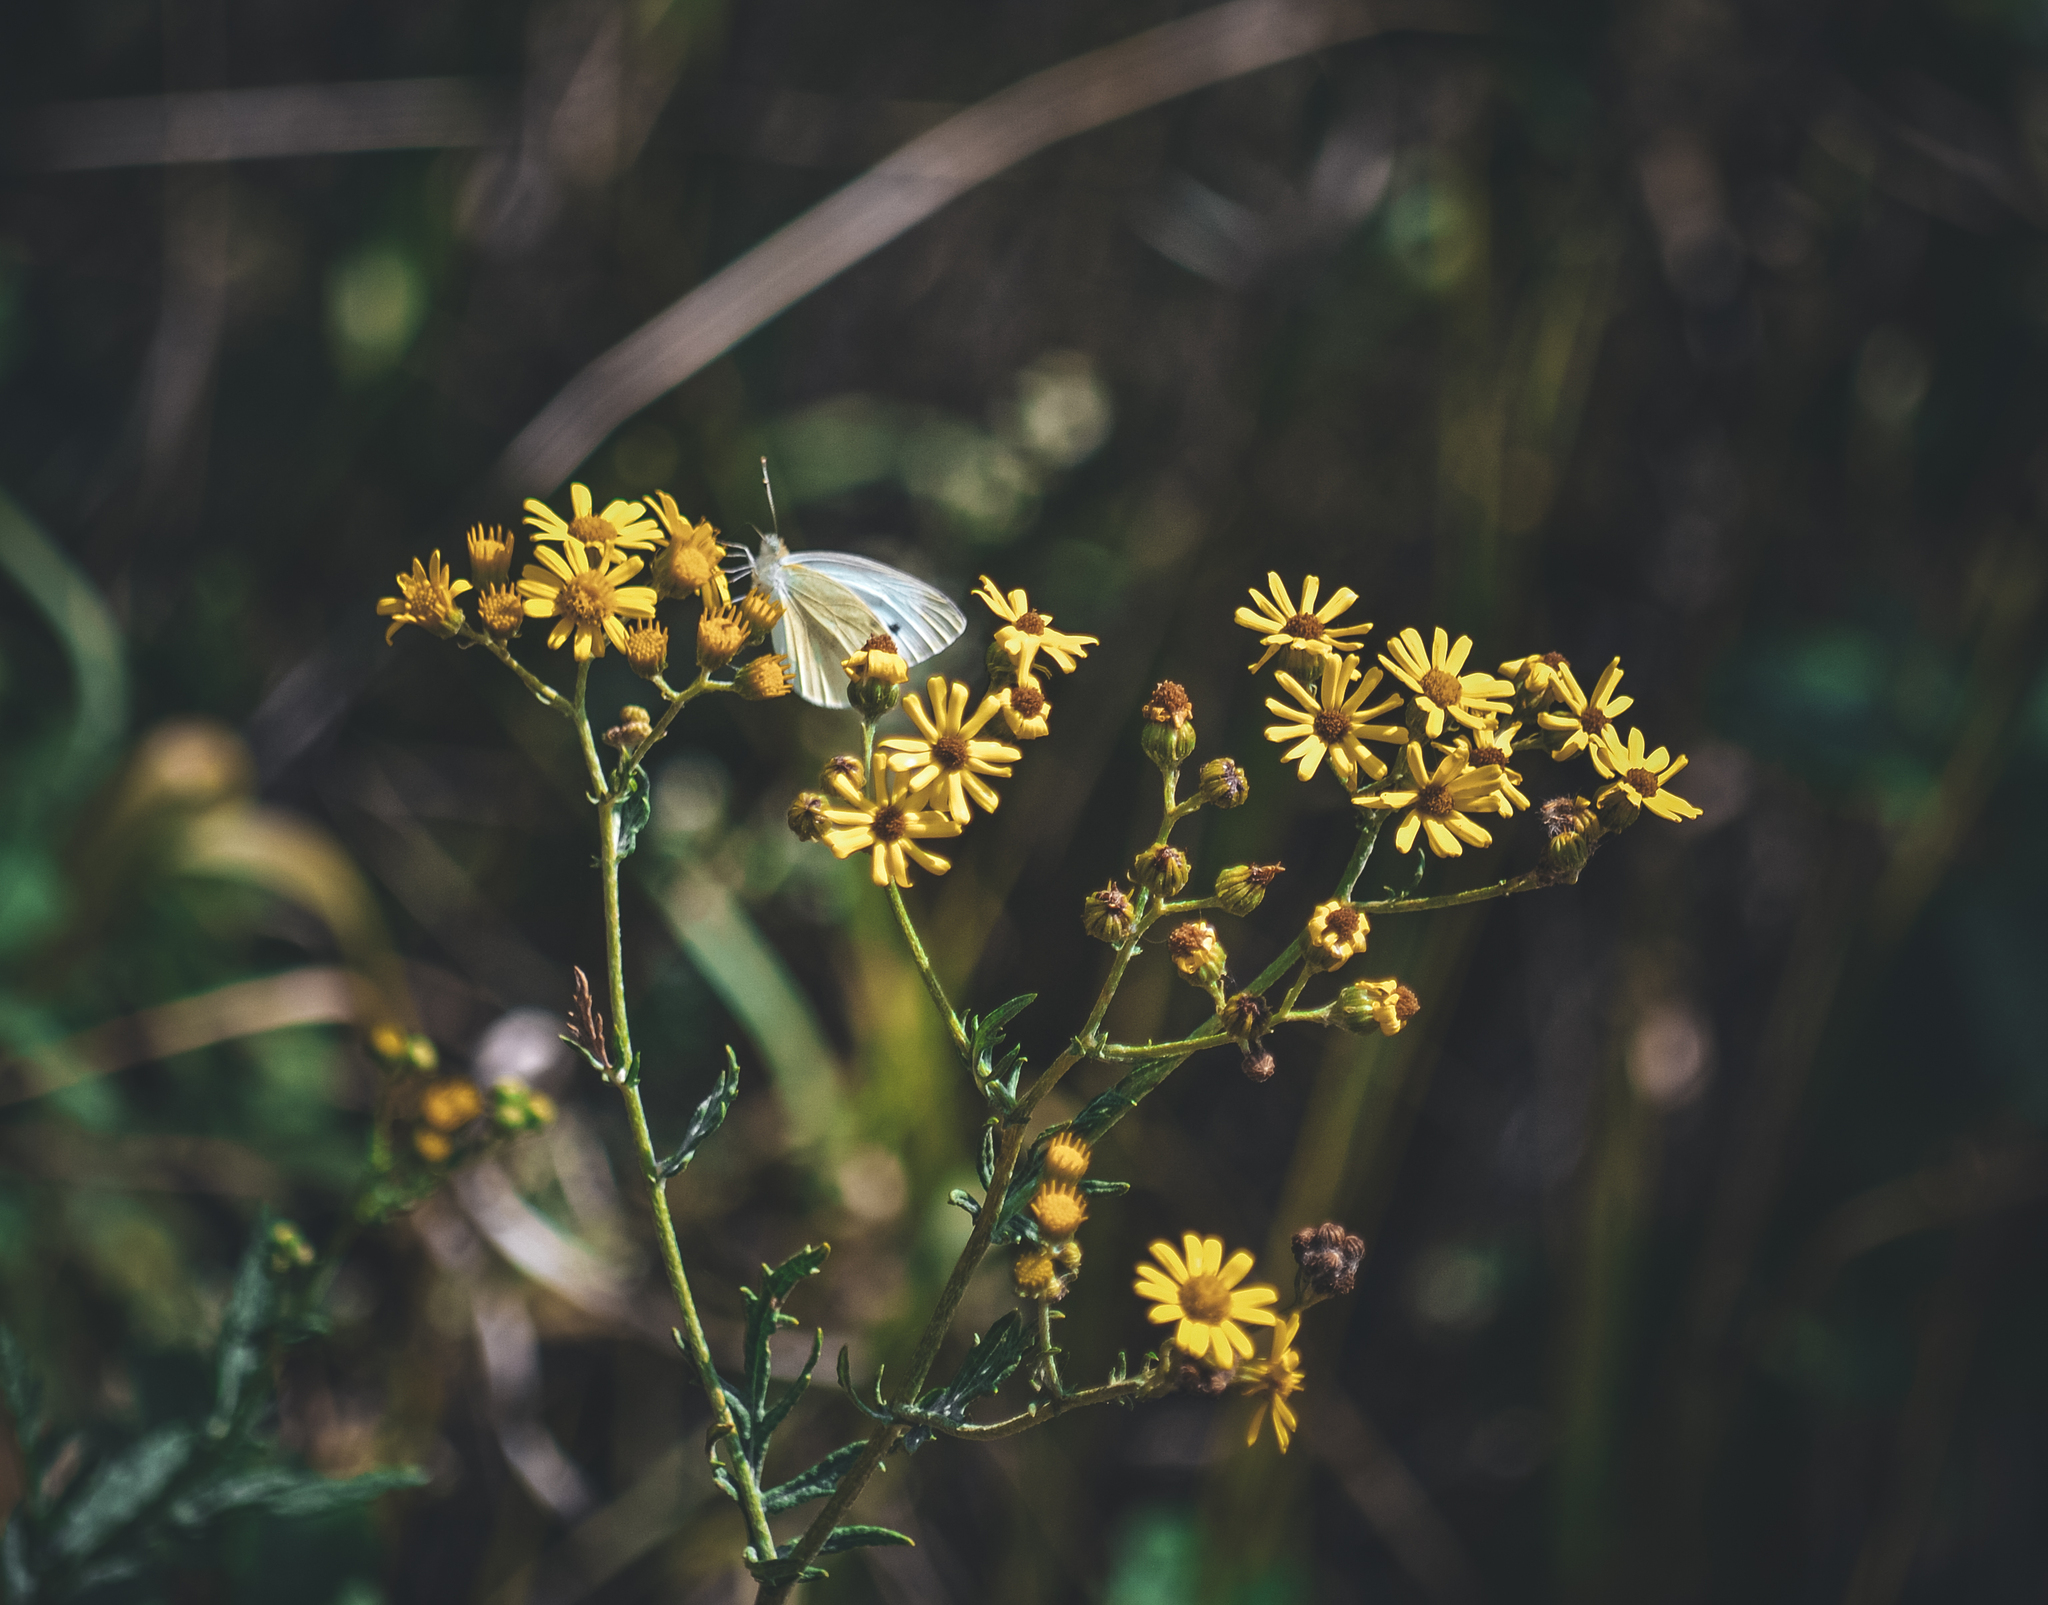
(1705, 1198)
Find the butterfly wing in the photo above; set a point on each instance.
(826, 622)
(924, 621)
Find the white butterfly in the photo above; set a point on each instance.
(835, 601)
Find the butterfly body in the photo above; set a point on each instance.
(835, 601)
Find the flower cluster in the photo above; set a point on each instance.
(598, 579)
(910, 789)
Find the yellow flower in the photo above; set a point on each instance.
(622, 526)
(944, 761)
(1383, 1005)
(1438, 803)
(589, 603)
(501, 610)
(1281, 625)
(1030, 632)
(1642, 776)
(720, 635)
(885, 823)
(1334, 723)
(1200, 1291)
(450, 1104)
(1336, 930)
(1034, 1272)
(1025, 709)
(760, 611)
(763, 678)
(1535, 675)
(878, 662)
(1496, 747)
(1585, 717)
(432, 1146)
(1438, 686)
(1066, 1157)
(426, 597)
(1059, 1209)
(490, 555)
(647, 649)
(688, 564)
(1272, 1381)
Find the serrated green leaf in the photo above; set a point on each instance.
(764, 1320)
(120, 1490)
(631, 813)
(996, 1071)
(709, 1116)
(873, 1412)
(251, 1309)
(815, 1483)
(845, 1538)
(773, 1416)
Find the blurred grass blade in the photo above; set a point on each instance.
(85, 628)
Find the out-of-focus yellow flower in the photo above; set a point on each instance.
(1440, 689)
(1280, 625)
(945, 761)
(1583, 717)
(431, 1146)
(1496, 747)
(1029, 632)
(451, 1103)
(1025, 709)
(426, 597)
(1642, 776)
(622, 526)
(1059, 1209)
(587, 604)
(1439, 802)
(1199, 1289)
(1334, 724)
(1066, 1157)
(883, 822)
(1272, 1382)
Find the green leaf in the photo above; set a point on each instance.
(845, 1538)
(764, 1320)
(815, 1483)
(631, 813)
(21, 1582)
(987, 1367)
(874, 1412)
(779, 1572)
(121, 1489)
(995, 1071)
(709, 1117)
(772, 1418)
(21, 1390)
(252, 1307)
(985, 1161)
(285, 1491)
(966, 1201)
(1102, 1188)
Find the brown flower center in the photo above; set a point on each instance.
(1486, 755)
(1593, 721)
(1027, 701)
(888, 826)
(1205, 1299)
(1555, 659)
(1304, 627)
(1170, 704)
(1644, 782)
(951, 751)
(1342, 923)
(1406, 1004)
(586, 598)
(594, 531)
(1263, 874)
(1031, 622)
(1443, 688)
(1332, 725)
(1435, 799)
(880, 643)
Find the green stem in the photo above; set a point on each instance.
(931, 979)
(677, 701)
(1048, 1359)
(546, 694)
(1478, 894)
(1131, 1388)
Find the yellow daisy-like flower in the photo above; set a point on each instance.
(1535, 675)
(1280, 624)
(1333, 723)
(1438, 803)
(591, 604)
(622, 526)
(1642, 776)
(426, 597)
(1585, 717)
(1272, 1382)
(1198, 1288)
(688, 564)
(1030, 632)
(1025, 709)
(1496, 747)
(884, 822)
(1438, 685)
(944, 760)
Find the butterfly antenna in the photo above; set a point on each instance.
(774, 518)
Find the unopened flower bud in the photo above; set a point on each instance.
(1106, 915)
(1617, 808)
(490, 554)
(1329, 1258)
(1034, 1272)
(1244, 1016)
(1223, 784)
(1058, 1208)
(1067, 1257)
(1382, 1006)
(1335, 932)
(633, 727)
(1257, 1064)
(764, 677)
(874, 675)
(647, 650)
(1161, 870)
(806, 817)
(1242, 887)
(720, 635)
(516, 1108)
(1066, 1157)
(1204, 1381)
(1196, 952)
(1573, 832)
(1167, 727)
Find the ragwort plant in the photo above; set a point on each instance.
(1416, 740)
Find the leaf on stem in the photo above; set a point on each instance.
(586, 1025)
(996, 1071)
(815, 1483)
(251, 1311)
(764, 1319)
(709, 1116)
(631, 813)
